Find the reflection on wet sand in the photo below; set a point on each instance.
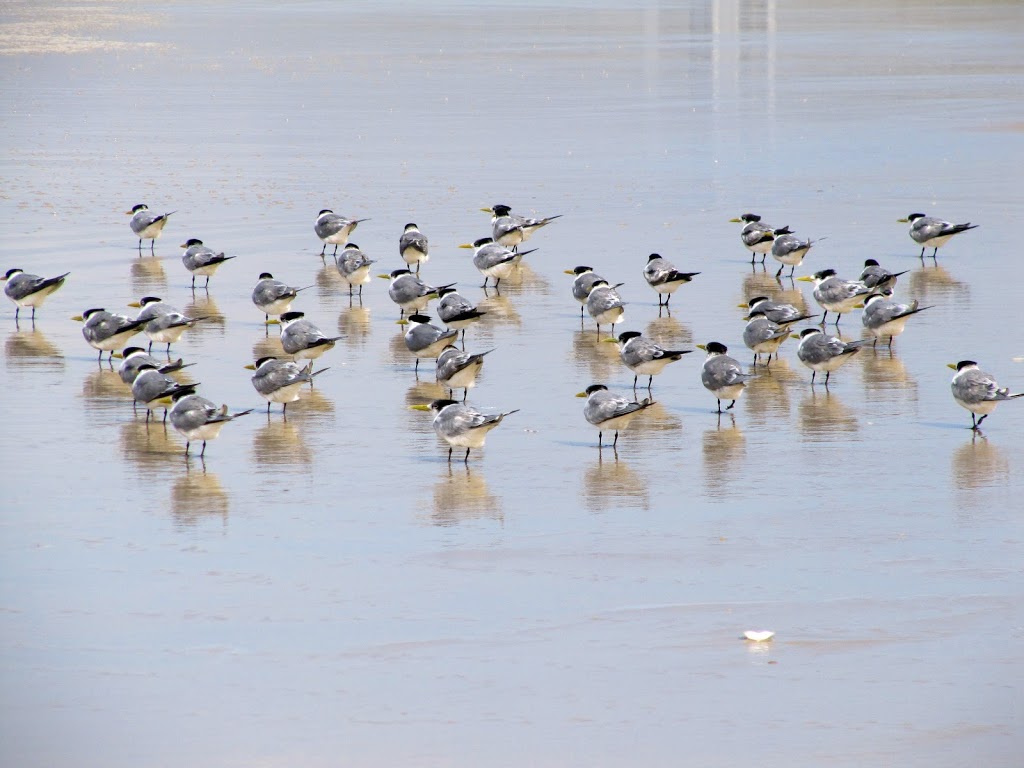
(328, 282)
(669, 333)
(500, 311)
(723, 447)
(655, 419)
(610, 484)
(886, 377)
(203, 305)
(311, 402)
(103, 390)
(523, 278)
(979, 464)
(269, 346)
(461, 494)
(147, 276)
(786, 290)
(354, 325)
(934, 284)
(824, 417)
(279, 442)
(152, 445)
(767, 396)
(28, 346)
(600, 358)
(196, 495)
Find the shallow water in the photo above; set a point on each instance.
(328, 588)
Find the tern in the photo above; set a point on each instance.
(107, 331)
(778, 312)
(27, 290)
(834, 294)
(457, 312)
(147, 225)
(510, 229)
(877, 277)
(157, 390)
(605, 305)
(458, 370)
(280, 381)
(409, 292)
(608, 411)
(413, 246)
(164, 323)
(930, 232)
(662, 275)
(462, 426)
(977, 391)
(133, 358)
(722, 375)
(757, 236)
(789, 250)
(493, 260)
(333, 229)
(821, 352)
(426, 340)
(201, 260)
(883, 317)
(762, 336)
(197, 418)
(302, 339)
(645, 358)
(273, 297)
(354, 268)
(585, 280)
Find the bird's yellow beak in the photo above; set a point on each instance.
(742, 306)
(134, 304)
(419, 407)
(902, 221)
(118, 355)
(250, 367)
(127, 213)
(581, 394)
(466, 245)
(79, 318)
(487, 210)
(859, 306)
(701, 346)
(794, 335)
(805, 279)
(569, 271)
(384, 277)
(951, 365)
(735, 221)
(183, 245)
(273, 321)
(611, 340)
(401, 321)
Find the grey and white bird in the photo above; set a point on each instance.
(274, 297)
(662, 275)
(789, 250)
(413, 246)
(456, 311)
(133, 358)
(510, 229)
(877, 277)
(458, 370)
(608, 411)
(644, 357)
(201, 260)
(27, 290)
(354, 268)
(147, 225)
(156, 390)
(426, 340)
(722, 375)
(757, 236)
(280, 381)
(779, 313)
(334, 229)
(834, 294)
(462, 426)
(409, 292)
(494, 261)
(301, 339)
(930, 232)
(762, 336)
(583, 283)
(821, 352)
(164, 323)
(605, 305)
(884, 317)
(977, 391)
(197, 418)
(107, 331)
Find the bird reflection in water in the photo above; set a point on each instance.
(329, 285)
(269, 346)
(103, 390)
(767, 395)
(280, 443)
(669, 333)
(500, 311)
(784, 291)
(724, 446)
(423, 392)
(610, 484)
(934, 284)
(823, 416)
(461, 494)
(149, 445)
(979, 464)
(887, 378)
(28, 347)
(523, 278)
(354, 325)
(197, 496)
(203, 305)
(147, 277)
(600, 358)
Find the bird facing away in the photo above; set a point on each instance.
(605, 305)
(878, 278)
(821, 352)
(778, 312)
(789, 250)
(165, 324)
(762, 336)
(426, 340)
(977, 391)
(354, 268)
(409, 292)
(147, 225)
(722, 375)
(197, 418)
(608, 411)
(458, 370)
(462, 426)
(133, 358)
(301, 339)
(413, 247)
(645, 358)
(457, 312)
(493, 260)
(585, 278)
(273, 297)
(757, 236)
(930, 232)
(201, 260)
(333, 229)
(510, 229)
(27, 290)
(106, 331)
(662, 275)
(834, 294)
(280, 381)
(157, 390)
(884, 317)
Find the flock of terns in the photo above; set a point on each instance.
(284, 379)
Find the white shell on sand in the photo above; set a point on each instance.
(758, 636)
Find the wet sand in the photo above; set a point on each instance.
(326, 589)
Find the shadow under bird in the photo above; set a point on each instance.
(821, 352)
(197, 418)
(133, 358)
(462, 426)
(644, 357)
(583, 283)
(164, 323)
(762, 336)
(157, 390)
(510, 229)
(834, 294)
(930, 232)
(201, 260)
(274, 297)
(883, 317)
(280, 381)
(27, 290)
(303, 340)
(334, 229)
(977, 391)
(426, 340)
(662, 275)
(107, 331)
(409, 292)
(608, 411)
(354, 268)
(722, 375)
(456, 369)
(878, 278)
(413, 246)
(605, 305)
(146, 224)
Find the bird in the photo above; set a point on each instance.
(821, 352)
(27, 290)
(456, 311)
(107, 331)
(585, 280)
(645, 358)
(789, 250)
(605, 305)
(354, 268)
(155, 390)
(834, 294)
(426, 340)
(762, 336)
(280, 381)
(510, 229)
(494, 261)
(722, 375)
(462, 426)
(456, 369)
(164, 323)
(757, 236)
(200, 260)
(333, 229)
(877, 277)
(409, 292)
(662, 275)
(883, 317)
(197, 418)
(147, 225)
(302, 340)
(778, 312)
(930, 232)
(977, 391)
(413, 246)
(133, 358)
(606, 410)
(273, 297)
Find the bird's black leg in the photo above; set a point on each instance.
(165, 415)
(449, 455)
(152, 246)
(615, 442)
(731, 405)
(193, 283)
(813, 374)
(890, 342)
(650, 380)
(323, 251)
(207, 286)
(416, 368)
(935, 253)
(466, 460)
(599, 434)
(465, 394)
(828, 375)
(634, 383)
(875, 342)
(187, 444)
(719, 406)
(149, 350)
(140, 246)
(148, 414)
(779, 273)
(497, 282)
(203, 452)
(268, 407)
(982, 419)
(335, 254)
(791, 271)
(838, 318)
(824, 316)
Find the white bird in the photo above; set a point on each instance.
(413, 246)
(662, 275)
(456, 311)
(147, 225)
(510, 229)
(456, 369)
(280, 381)
(821, 352)
(133, 358)
(606, 410)
(354, 268)
(757, 236)
(930, 232)
(409, 292)
(27, 290)
(334, 229)
(494, 261)
(645, 358)
(107, 331)
(977, 391)
(722, 375)
(877, 277)
(164, 323)
(157, 390)
(762, 336)
(789, 250)
(605, 305)
(197, 418)
(273, 297)
(883, 317)
(462, 426)
(301, 339)
(834, 294)
(585, 278)
(426, 340)
(201, 260)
